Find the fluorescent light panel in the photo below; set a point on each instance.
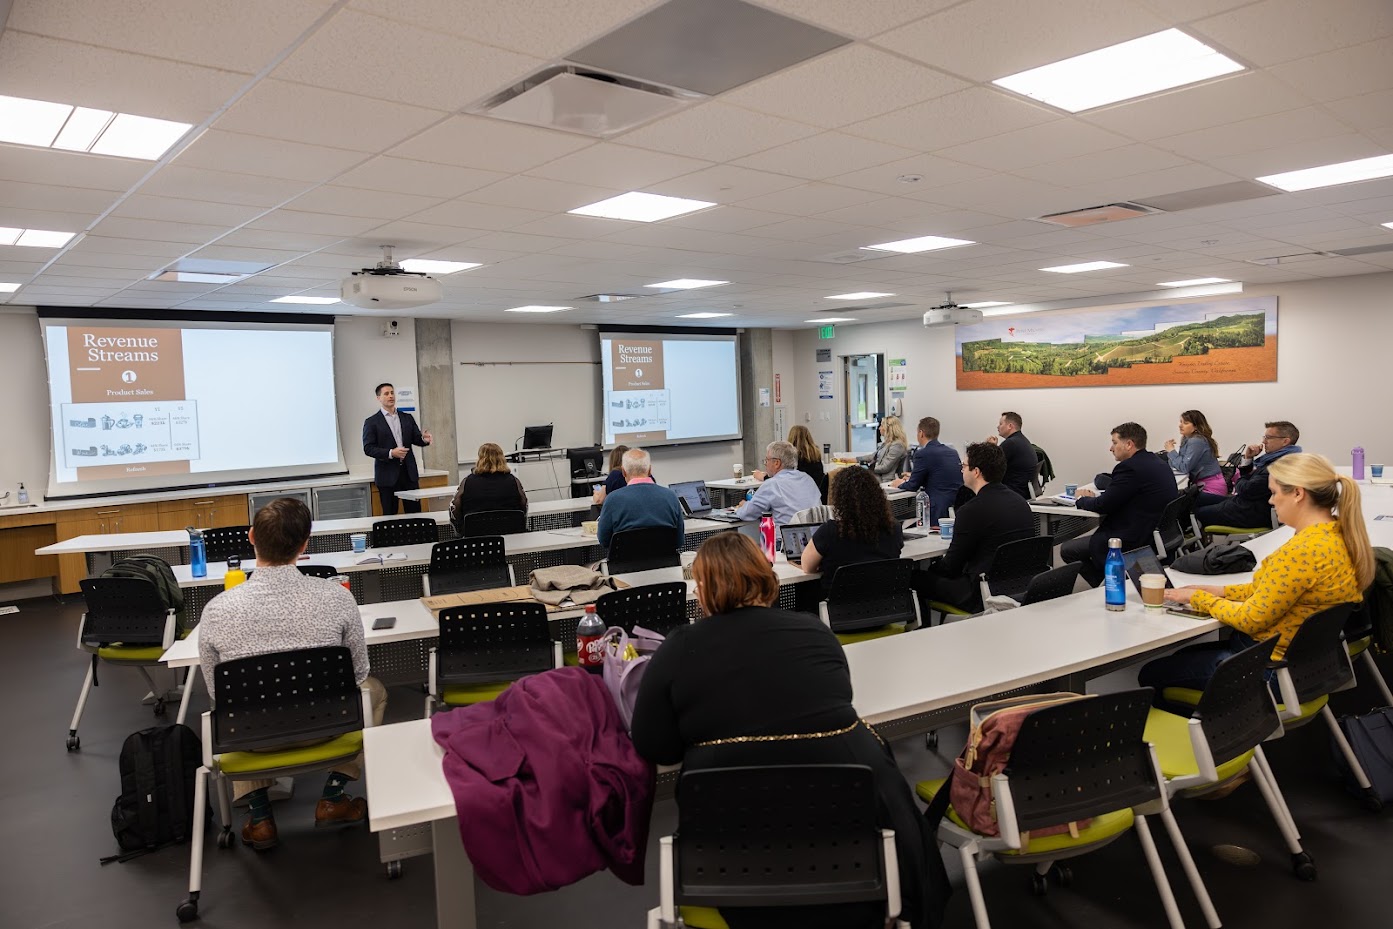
(832, 319)
(1388, 225)
(924, 243)
(698, 315)
(1148, 65)
(433, 266)
(36, 238)
(1194, 282)
(8, 234)
(641, 208)
(197, 277)
(538, 309)
(859, 295)
(82, 129)
(1346, 172)
(307, 301)
(7, 288)
(685, 283)
(1084, 266)
(984, 303)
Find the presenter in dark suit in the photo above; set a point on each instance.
(1142, 486)
(387, 437)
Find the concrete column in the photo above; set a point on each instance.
(756, 371)
(435, 380)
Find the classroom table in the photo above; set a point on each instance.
(1062, 521)
(731, 492)
(904, 684)
(541, 514)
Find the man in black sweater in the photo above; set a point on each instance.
(1021, 460)
(1142, 485)
(994, 516)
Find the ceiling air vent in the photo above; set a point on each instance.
(1093, 215)
(584, 100)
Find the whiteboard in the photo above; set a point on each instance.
(494, 402)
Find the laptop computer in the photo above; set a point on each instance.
(1141, 561)
(794, 538)
(696, 502)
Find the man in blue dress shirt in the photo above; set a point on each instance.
(785, 491)
(937, 470)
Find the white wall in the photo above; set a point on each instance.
(363, 358)
(1333, 360)
(783, 341)
(24, 454)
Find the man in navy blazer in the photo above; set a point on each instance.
(387, 437)
(936, 469)
(1142, 486)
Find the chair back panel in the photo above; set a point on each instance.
(389, 533)
(318, 570)
(493, 642)
(1082, 758)
(494, 522)
(228, 540)
(1016, 563)
(285, 697)
(1316, 656)
(658, 608)
(782, 835)
(1057, 582)
(1174, 518)
(644, 549)
(122, 609)
(871, 594)
(459, 565)
(1236, 707)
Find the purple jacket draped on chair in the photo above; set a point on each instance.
(547, 785)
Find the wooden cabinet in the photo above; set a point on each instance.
(99, 520)
(203, 512)
(20, 533)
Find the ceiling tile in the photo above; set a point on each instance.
(311, 115)
(424, 178)
(1302, 153)
(930, 171)
(314, 223)
(54, 197)
(1341, 73)
(469, 214)
(618, 167)
(858, 19)
(1021, 148)
(1217, 103)
(822, 156)
(724, 184)
(536, 193)
(976, 113)
(299, 242)
(235, 152)
(1249, 135)
(392, 61)
(717, 132)
(809, 199)
(192, 233)
(1274, 31)
(354, 201)
(184, 210)
(181, 180)
(1366, 111)
(1102, 166)
(489, 144)
(69, 169)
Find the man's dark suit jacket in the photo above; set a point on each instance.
(995, 516)
(1131, 507)
(1020, 463)
(378, 444)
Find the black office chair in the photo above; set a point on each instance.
(228, 540)
(1173, 533)
(1359, 637)
(484, 648)
(870, 600)
(126, 624)
(1054, 583)
(642, 549)
(1013, 566)
(458, 565)
(390, 533)
(268, 707)
(494, 522)
(318, 570)
(658, 608)
(782, 835)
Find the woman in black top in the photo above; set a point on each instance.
(863, 529)
(491, 486)
(749, 669)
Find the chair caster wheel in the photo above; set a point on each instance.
(74, 743)
(226, 839)
(1371, 801)
(393, 870)
(1039, 884)
(1063, 875)
(188, 910)
(931, 741)
(1303, 867)
(159, 708)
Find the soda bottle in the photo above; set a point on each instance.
(198, 553)
(235, 575)
(1115, 577)
(766, 536)
(590, 640)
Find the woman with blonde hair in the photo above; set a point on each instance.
(1326, 562)
(490, 486)
(894, 444)
(719, 688)
(809, 458)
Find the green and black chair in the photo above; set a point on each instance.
(871, 600)
(1240, 532)
(1014, 565)
(484, 648)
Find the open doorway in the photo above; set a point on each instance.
(864, 377)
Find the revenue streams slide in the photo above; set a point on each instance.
(660, 390)
(139, 402)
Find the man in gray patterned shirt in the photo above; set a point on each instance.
(279, 609)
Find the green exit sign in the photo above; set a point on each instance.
(827, 332)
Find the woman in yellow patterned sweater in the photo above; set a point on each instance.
(1328, 561)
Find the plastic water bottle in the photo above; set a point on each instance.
(1358, 454)
(198, 554)
(766, 537)
(235, 575)
(23, 494)
(590, 640)
(921, 508)
(749, 495)
(1115, 578)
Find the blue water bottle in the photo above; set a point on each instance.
(1115, 577)
(198, 553)
(749, 495)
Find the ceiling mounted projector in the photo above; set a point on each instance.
(950, 314)
(388, 287)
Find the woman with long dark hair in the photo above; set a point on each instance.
(1197, 454)
(862, 530)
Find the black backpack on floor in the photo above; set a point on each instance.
(155, 808)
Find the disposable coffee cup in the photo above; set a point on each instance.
(738, 469)
(945, 528)
(1153, 591)
(1070, 489)
(1376, 470)
(360, 542)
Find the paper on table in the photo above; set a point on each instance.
(384, 557)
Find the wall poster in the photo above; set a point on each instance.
(1204, 342)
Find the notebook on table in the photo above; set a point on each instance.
(696, 502)
(1141, 561)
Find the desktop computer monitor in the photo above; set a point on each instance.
(587, 462)
(536, 436)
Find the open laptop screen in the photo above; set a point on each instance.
(693, 495)
(1141, 561)
(794, 538)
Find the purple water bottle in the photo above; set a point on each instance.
(1358, 454)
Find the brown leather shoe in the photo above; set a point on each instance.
(344, 811)
(260, 836)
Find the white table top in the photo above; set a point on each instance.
(749, 483)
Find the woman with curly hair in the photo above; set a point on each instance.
(863, 529)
